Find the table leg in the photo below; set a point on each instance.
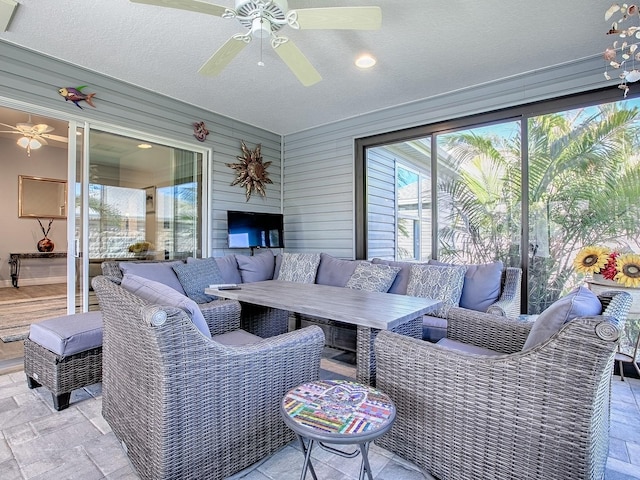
(364, 449)
(307, 459)
(15, 270)
(365, 357)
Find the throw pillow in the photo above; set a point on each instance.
(299, 267)
(256, 268)
(157, 271)
(438, 282)
(160, 294)
(334, 271)
(482, 284)
(196, 276)
(399, 285)
(581, 302)
(372, 278)
(227, 265)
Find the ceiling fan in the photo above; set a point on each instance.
(264, 18)
(33, 136)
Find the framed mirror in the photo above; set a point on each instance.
(42, 197)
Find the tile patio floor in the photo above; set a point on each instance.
(36, 442)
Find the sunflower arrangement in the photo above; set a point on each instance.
(623, 268)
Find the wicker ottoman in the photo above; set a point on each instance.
(63, 354)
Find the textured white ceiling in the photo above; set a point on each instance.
(424, 48)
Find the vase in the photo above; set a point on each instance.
(45, 245)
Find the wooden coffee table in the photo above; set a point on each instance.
(369, 311)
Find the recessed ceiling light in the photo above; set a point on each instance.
(144, 146)
(365, 61)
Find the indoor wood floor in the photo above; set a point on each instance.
(32, 291)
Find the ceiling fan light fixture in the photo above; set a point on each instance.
(260, 28)
(365, 61)
(31, 143)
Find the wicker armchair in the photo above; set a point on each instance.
(185, 406)
(542, 413)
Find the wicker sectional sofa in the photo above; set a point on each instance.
(486, 288)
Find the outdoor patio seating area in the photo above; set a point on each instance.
(37, 442)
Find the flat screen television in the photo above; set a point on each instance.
(255, 230)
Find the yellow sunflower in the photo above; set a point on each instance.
(591, 259)
(628, 266)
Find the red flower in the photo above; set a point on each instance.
(610, 271)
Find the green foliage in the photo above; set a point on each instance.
(583, 188)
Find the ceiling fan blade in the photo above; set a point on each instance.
(190, 5)
(11, 131)
(297, 63)
(224, 55)
(10, 126)
(42, 128)
(40, 139)
(56, 138)
(331, 18)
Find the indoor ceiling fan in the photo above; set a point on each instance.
(264, 19)
(33, 136)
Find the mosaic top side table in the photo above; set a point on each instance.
(337, 412)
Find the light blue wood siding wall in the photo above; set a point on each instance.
(319, 163)
(34, 79)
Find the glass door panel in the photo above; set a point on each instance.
(479, 207)
(399, 200)
(144, 201)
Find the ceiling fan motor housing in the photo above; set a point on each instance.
(262, 18)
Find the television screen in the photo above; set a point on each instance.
(249, 230)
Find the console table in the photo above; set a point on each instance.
(14, 261)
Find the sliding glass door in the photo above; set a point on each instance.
(135, 200)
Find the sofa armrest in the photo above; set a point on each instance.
(494, 332)
(221, 315)
(508, 305)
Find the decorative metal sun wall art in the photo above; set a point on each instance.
(251, 172)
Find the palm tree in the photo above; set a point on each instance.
(583, 188)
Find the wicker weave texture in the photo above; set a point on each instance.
(185, 406)
(262, 321)
(508, 305)
(366, 359)
(538, 414)
(62, 374)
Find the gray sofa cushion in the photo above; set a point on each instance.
(236, 338)
(580, 302)
(372, 278)
(68, 334)
(228, 268)
(335, 271)
(160, 294)
(256, 268)
(299, 267)
(439, 282)
(466, 348)
(433, 328)
(482, 285)
(196, 276)
(157, 271)
(401, 281)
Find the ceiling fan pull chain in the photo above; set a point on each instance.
(261, 63)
